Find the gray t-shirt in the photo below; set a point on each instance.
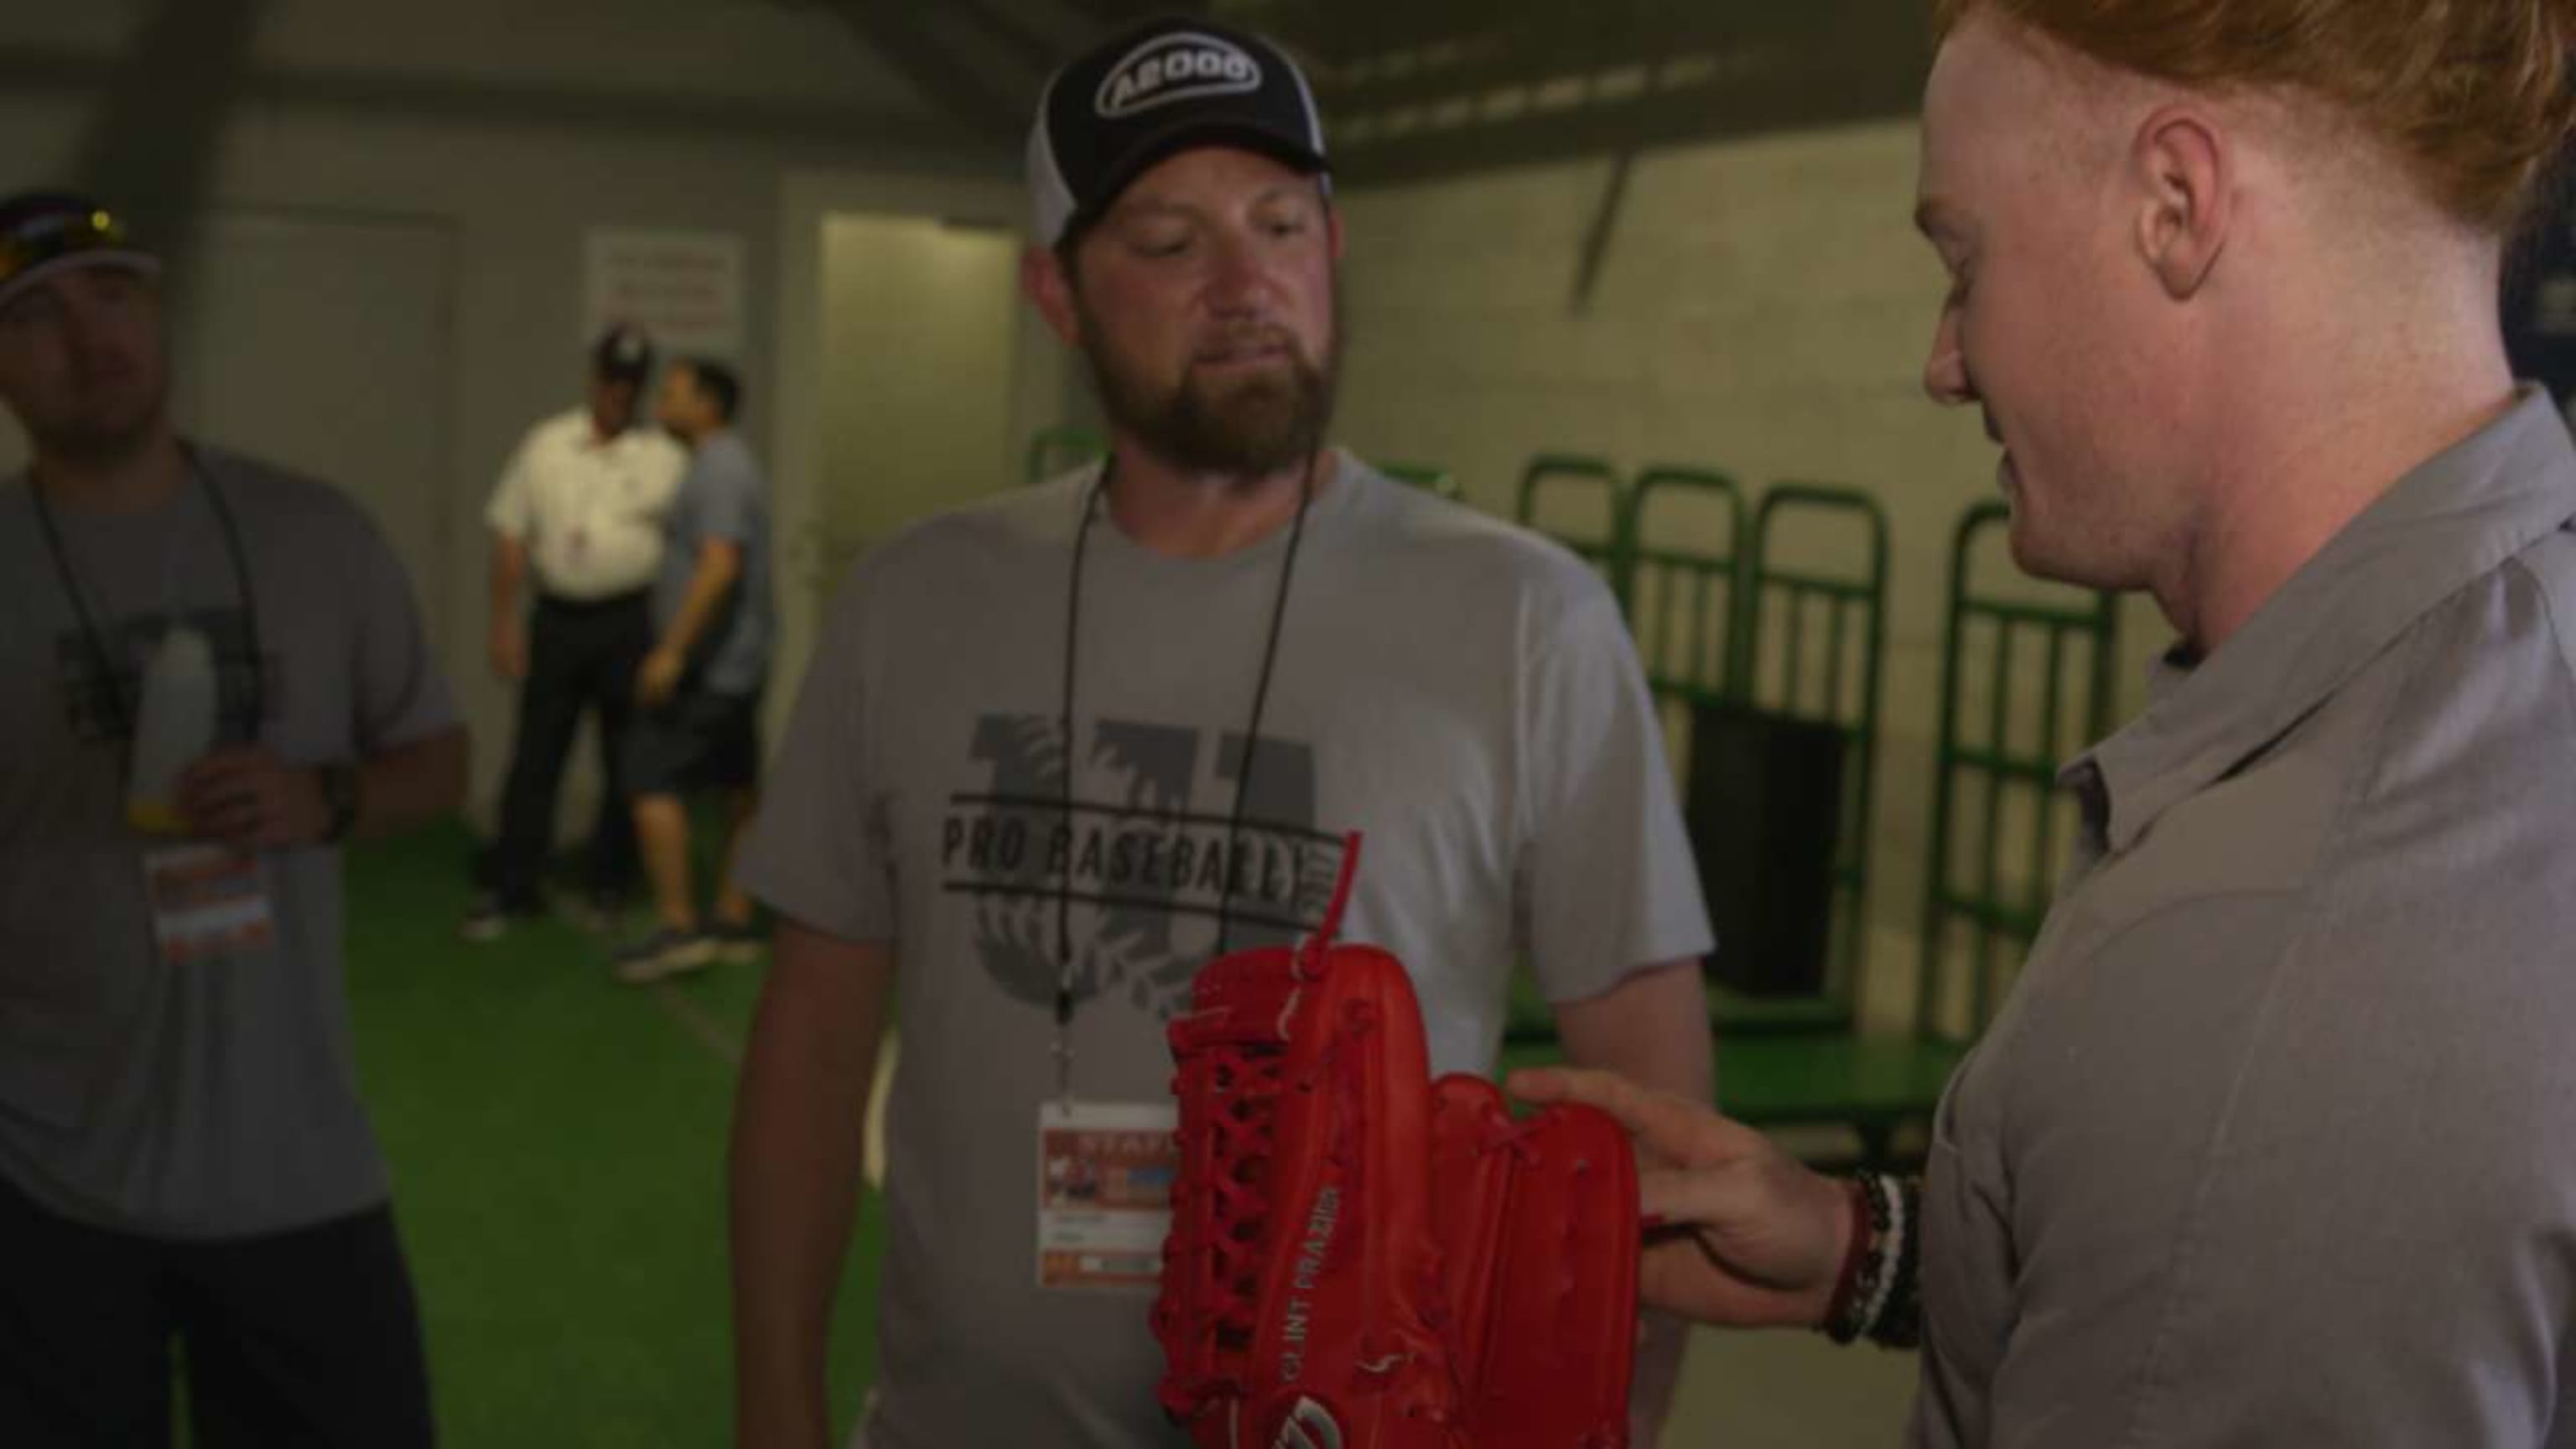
(216, 1098)
(2271, 1142)
(1457, 689)
(722, 497)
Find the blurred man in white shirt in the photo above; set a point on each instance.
(578, 512)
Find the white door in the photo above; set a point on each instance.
(920, 321)
(909, 374)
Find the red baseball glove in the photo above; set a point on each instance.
(1360, 1259)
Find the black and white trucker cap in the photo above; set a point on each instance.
(1159, 88)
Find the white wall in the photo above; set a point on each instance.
(1763, 307)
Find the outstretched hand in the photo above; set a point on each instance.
(1740, 1233)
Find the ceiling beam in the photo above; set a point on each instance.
(988, 110)
(1792, 91)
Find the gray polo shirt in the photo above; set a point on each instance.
(2275, 1141)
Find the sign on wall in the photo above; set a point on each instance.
(685, 288)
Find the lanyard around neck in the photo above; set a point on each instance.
(102, 659)
(1064, 997)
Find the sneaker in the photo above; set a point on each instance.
(600, 913)
(738, 945)
(664, 954)
(486, 921)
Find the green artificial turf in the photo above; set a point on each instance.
(557, 1144)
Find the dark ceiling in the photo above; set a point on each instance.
(1422, 88)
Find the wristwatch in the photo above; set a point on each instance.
(340, 793)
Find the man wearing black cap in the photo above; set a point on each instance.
(183, 1154)
(580, 508)
(1056, 750)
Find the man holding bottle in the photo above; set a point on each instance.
(218, 675)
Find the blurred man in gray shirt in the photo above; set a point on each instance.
(184, 1156)
(700, 685)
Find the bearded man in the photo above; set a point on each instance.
(1060, 748)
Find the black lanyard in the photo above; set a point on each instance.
(128, 712)
(1064, 1003)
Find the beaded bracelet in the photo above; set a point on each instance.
(1870, 1282)
(1878, 1293)
(1888, 1251)
(1900, 1323)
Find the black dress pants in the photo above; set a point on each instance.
(581, 657)
(308, 1339)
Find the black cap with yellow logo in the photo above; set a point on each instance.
(45, 232)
